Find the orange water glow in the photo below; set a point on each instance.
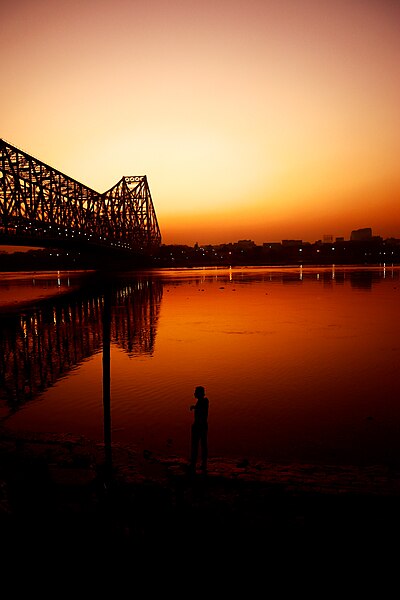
(294, 364)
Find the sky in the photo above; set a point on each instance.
(252, 119)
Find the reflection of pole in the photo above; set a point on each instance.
(107, 380)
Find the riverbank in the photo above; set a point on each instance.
(57, 492)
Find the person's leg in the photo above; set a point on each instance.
(204, 449)
(194, 447)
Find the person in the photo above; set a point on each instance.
(199, 432)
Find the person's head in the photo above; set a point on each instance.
(199, 392)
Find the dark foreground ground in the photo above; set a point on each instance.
(57, 496)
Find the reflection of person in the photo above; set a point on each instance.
(199, 428)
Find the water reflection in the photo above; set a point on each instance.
(299, 362)
(43, 344)
(134, 316)
(362, 277)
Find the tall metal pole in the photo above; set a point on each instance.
(107, 381)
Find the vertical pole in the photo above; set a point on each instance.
(107, 381)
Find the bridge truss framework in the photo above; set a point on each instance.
(40, 204)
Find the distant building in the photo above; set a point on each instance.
(361, 235)
(272, 245)
(393, 241)
(245, 244)
(292, 242)
(328, 238)
(339, 239)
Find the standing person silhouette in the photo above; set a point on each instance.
(199, 429)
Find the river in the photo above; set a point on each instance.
(299, 364)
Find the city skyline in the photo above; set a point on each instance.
(265, 120)
(301, 241)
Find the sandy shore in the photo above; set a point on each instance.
(56, 490)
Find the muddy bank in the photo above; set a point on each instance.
(58, 491)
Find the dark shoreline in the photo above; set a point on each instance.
(57, 490)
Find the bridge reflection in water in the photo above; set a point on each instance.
(40, 345)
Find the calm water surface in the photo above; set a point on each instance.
(298, 364)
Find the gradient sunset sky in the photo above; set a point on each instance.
(252, 119)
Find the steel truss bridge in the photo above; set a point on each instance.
(40, 206)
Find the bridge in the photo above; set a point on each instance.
(40, 206)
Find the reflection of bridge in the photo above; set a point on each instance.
(41, 345)
(40, 206)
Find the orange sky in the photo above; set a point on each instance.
(260, 119)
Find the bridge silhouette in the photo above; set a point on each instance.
(40, 206)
